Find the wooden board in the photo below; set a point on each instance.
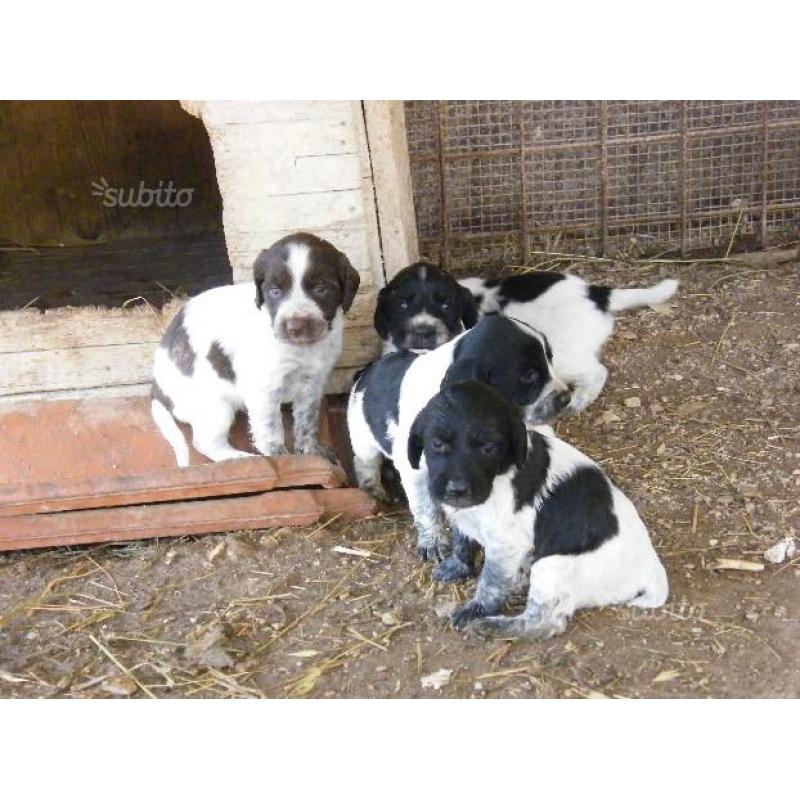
(243, 476)
(271, 509)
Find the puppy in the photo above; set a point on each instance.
(528, 495)
(253, 347)
(389, 394)
(421, 308)
(575, 316)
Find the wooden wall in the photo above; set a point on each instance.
(337, 169)
(51, 151)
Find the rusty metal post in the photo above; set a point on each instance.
(683, 184)
(442, 193)
(603, 122)
(764, 171)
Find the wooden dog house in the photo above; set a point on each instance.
(87, 280)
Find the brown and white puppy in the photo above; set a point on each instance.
(246, 347)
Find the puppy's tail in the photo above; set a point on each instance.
(166, 423)
(620, 299)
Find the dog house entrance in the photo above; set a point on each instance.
(106, 204)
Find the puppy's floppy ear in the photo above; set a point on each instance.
(416, 438)
(349, 280)
(519, 440)
(381, 318)
(259, 281)
(466, 369)
(469, 308)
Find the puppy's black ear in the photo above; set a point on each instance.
(416, 438)
(349, 279)
(466, 369)
(259, 281)
(469, 308)
(519, 440)
(381, 318)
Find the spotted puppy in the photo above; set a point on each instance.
(577, 318)
(530, 497)
(253, 347)
(389, 394)
(421, 308)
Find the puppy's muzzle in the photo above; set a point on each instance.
(457, 493)
(423, 337)
(302, 329)
(550, 404)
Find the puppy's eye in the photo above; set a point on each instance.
(490, 448)
(438, 446)
(403, 304)
(275, 292)
(445, 306)
(530, 377)
(320, 290)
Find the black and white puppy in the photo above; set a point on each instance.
(529, 496)
(388, 395)
(254, 347)
(421, 308)
(575, 316)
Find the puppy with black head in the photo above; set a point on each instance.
(577, 317)
(529, 498)
(389, 394)
(421, 308)
(253, 346)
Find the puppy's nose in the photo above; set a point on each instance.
(457, 488)
(562, 400)
(295, 326)
(425, 332)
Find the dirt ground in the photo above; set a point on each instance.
(699, 424)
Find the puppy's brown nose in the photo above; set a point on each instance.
(297, 326)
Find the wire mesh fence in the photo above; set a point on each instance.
(502, 181)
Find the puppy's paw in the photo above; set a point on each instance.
(468, 612)
(377, 491)
(431, 551)
(317, 449)
(452, 569)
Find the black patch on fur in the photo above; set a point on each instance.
(523, 288)
(499, 352)
(221, 362)
(381, 386)
(600, 296)
(577, 516)
(528, 481)
(157, 393)
(176, 343)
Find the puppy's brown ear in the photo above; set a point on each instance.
(519, 440)
(469, 308)
(349, 280)
(381, 318)
(258, 277)
(416, 438)
(259, 281)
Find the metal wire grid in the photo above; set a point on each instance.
(496, 181)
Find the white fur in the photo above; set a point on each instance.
(575, 327)
(624, 569)
(268, 371)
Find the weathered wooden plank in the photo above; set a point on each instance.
(241, 476)
(388, 149)
(272, 509)
(247, 112)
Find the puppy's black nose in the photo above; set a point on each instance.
(562, 400)
(424, 331)
(457, 488)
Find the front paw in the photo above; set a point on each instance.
(466, 613)
(431, 549)
(317, 449)
(452, 569)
